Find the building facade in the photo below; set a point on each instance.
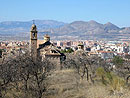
(46, 49)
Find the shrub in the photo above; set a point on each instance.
(67, 51)
(101, 73)
(114, 82)
(117, 60)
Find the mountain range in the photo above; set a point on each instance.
(77, 30)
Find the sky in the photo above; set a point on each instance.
(102, 11)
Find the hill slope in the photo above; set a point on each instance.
(59, 30)
(67, 84)
(14, 27)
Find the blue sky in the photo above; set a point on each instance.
(115, 11)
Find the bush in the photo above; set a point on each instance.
(67, 51)
(117, 60)
(110, 79)
(115, 82)
(101, 73)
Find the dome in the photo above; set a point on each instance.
(47, 36)
(33, 27)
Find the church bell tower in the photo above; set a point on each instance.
(33, 41)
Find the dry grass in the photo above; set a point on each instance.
(67, 84)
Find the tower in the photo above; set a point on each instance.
(80, 47)
(33, 41)
(46, 38)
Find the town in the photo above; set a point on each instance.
(103, 49)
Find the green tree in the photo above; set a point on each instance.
(117, 60)
(70, 50)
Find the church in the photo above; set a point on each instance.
(46, 49)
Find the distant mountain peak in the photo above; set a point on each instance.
(77, 22)
(110, 26)
(109, 23)
(92, 21)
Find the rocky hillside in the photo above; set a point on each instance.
(92, 30)
(59, 30)
(14, 27)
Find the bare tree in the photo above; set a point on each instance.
(8, 74)
(85, 65)
(39, 72)
(24, 69)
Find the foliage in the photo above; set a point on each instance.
(110, 79)
(101, 73)
(116, 83)
(0, 50)
(117, 60)
(70, 50)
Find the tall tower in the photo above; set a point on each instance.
(33, 41)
